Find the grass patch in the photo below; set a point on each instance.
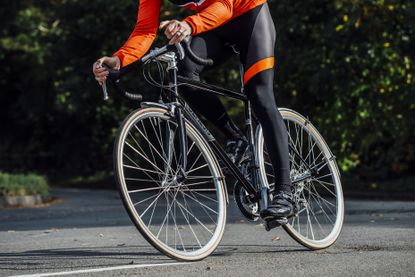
(100, 180)
(23, 184)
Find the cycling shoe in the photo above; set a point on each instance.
(282, 206)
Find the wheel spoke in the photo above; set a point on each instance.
(197, 168)
(142, 190)
(141, 169)
(144, 200)
(203, 206)
(176, 229)
(198, 183)
(321, 207)
(137, 167)
(197, 201)
(169, 206)
(204, 196)
(152, 214)
(152, 203)
(309, 224)
(156, 151)
(194, 163)
(142, 180)
(324, 176)
(315, 217)
(145, 136)
(310, 151)
(324, 186)
(195, 218)
(318, 197)
(144, 157)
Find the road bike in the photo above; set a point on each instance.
(170, 168)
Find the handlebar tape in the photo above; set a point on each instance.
(193, 56)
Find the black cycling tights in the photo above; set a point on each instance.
(253, 33)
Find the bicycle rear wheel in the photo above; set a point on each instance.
(319, 218)
(184, 219)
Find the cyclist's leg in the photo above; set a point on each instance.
(208, 45)
(257, 43)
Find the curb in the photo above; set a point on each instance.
(20, 201)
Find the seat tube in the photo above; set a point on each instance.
(172, 69)
(254, 161)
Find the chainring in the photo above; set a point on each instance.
(248, 208)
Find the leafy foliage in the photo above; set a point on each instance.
(22, 185)
(347, 64)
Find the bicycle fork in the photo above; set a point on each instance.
(172, 69)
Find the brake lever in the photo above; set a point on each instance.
(180, 50)
(105, 91)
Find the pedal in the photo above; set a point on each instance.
(274, 223)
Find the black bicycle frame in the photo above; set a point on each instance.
(253, 189)
(248, 118)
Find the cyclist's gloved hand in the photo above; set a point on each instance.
(101, 72)
(175, 30)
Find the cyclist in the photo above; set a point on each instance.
(215, 25)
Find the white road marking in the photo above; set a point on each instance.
(122, 267)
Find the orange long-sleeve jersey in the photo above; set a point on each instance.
(210, 14)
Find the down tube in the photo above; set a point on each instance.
(218, 151)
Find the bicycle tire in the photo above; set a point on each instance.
(186, 239)
(318, 198)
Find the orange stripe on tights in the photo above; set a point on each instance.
(259, 66)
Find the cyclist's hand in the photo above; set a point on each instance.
(100, 72)
(175, 30)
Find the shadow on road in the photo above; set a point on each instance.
(228, 249)
(96, 256)
(66, 258)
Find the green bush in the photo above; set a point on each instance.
(22, 184)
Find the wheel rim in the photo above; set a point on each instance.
(184, 220)
(320, 216)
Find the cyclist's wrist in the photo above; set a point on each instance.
(188, 26)
(117, 62)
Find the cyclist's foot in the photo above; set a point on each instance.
(281, 208)
(274, 223)
(235, 149)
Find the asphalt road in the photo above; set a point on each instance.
(90, 233)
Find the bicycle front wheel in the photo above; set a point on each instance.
(182, 218)
(319, 198)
